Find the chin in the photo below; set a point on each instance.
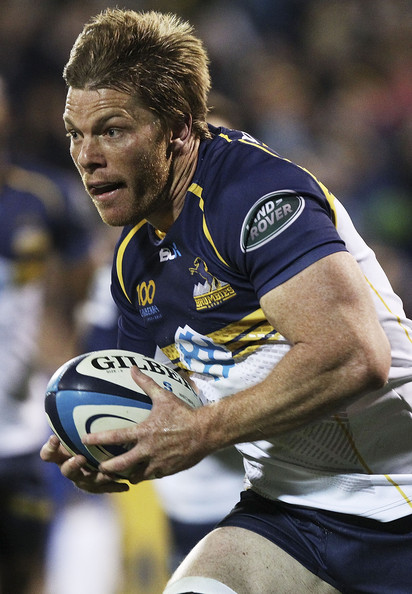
(113, 218)
(116, 221)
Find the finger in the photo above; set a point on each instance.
(53, 451)
(103, 487)
(145, 382)
(127, 464)
(134, 474)
(49, 448)
(75, 468)
(141, 472)
(111, 437)
(157, 393)
(92, 481)
(98, 482)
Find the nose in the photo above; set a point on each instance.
(88, 155)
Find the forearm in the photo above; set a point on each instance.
(304, 386)
(339, 352)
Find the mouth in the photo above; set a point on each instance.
(100, 189)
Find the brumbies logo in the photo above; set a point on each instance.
(271, 215)
(209, 291)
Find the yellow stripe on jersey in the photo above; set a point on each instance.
(120, 255)
(352, 444)
(397, 487)
(263, 148)
(408, 336)
(367, 469)
(197, 191)
(241, 337)
(226, 137)
(328, 195)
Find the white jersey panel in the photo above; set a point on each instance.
(388, 305)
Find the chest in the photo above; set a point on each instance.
(183, 283)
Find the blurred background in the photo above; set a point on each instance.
(326, 83)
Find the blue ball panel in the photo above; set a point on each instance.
(70, 379)
(50, 405)
(60, 405)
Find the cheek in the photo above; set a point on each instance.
(153, 162)
(74, 153)
(162, 157)
(79, 169)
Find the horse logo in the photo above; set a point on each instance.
(209, 291)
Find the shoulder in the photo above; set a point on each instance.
(130, 248)
(248, 190)
(39, 186)
(237, 170)
(129, 236)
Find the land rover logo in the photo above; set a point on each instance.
(271, 215)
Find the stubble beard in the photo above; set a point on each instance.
(151, 196)
(155, 198)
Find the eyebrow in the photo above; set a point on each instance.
(99, 122)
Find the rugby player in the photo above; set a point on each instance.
(249, 275)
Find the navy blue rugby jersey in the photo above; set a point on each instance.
(251, 220)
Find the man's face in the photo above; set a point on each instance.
(120, 152)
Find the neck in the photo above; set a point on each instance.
(182, 171)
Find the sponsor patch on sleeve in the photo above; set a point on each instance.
(269, 217)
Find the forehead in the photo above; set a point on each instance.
(88, 105)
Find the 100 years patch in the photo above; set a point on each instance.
(271, 215)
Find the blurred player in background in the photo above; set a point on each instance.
(248, 273)
(46, 231)
(44, 263)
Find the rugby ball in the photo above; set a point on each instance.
(95, 392)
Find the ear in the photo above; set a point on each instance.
(181, 133)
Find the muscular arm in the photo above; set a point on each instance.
(339, 351)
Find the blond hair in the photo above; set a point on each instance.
(150, 55)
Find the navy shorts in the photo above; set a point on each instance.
(351, 553)
(26, 507)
